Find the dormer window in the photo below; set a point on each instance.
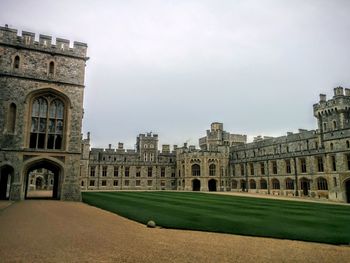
(16, 62)
(52, 68)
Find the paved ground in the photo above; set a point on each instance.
(55, 231)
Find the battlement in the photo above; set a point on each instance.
(339, 102)
(9, 36)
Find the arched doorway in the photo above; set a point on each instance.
(347, 191)
(212, 185)
(6, 178)
(38, 180)
(196, 185)
(305, 186)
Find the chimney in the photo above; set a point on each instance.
(323, 97)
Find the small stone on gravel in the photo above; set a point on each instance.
(151, 224)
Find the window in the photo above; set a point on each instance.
(289, 184)
(262, 168)
(263, 184)
(104, 171)
(115, 183)
(151, 157)
(149, 172)
(116, 171)
(145, 157)
(251, 165)
(303, 165)
(196, 170)
(138, 182)
(16, 62)
(322, 184)
(320, 164)
(103, 182)
(138, 171)
(242, 169)
(162, 172)
(92, 170)
(51, 68)
(347, 144)
(149, 182)
(324, 126)
(334, 125)
(274, 167)
(46, 131)
(162, 183)
(212, 170)
(335, 181)
(316, 145)
(348, 160)
(252, 184)
(331, 146)
(11, 119)
(288, 167)
(173, 174)
(92, 182)
(126, 182)
(82, 183)
(275, 184)
(127, 171)
(334, 163)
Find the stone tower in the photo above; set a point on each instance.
(41, 100)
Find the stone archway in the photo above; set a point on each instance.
(57, 172)
(196, 185)
(347, 191)
(305, 186)
(212, 185)
(6, 178)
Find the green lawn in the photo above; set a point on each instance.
(230, 214)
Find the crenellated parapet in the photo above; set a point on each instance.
(10, 37)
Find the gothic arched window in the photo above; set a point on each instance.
(51, 68)
(16, 62)
(212, 169)
(47, 122)
(196, 170)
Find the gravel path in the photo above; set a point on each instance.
(54, 231)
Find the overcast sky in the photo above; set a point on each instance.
(173, 67)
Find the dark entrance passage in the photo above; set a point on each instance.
(212, 185)
(347, 191)
(305, 186)
(43, 181)
(6, 177)
(196, 185)
(243, 185)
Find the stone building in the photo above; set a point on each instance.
(312, 163)
(143, 168)
(41, 100)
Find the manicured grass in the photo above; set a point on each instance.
(230, 214)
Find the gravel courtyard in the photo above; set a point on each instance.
(54, 231)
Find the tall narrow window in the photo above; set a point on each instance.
(47, 121)
(51, 68)
(16, 62)
(212, 169)
(288, 167)
(334, 163)
(11, 121)
(320, 164)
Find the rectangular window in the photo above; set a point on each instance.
(115, 183)
(348, 160)
(103, 182)
(334, 163)
(274, 167)
(303, 165)
(92, 182)
(162, 172)
(126, 182)
(138, 171)
(335, 181)
(251, 165)
(242, 169)
(92, 170)
(262, 168)
(116, 171)
(104, 171)
(138, 182)
(149, 182)
(173, 174)
(288, 167)
(127, 171)
(320, 164)
(149, 172)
